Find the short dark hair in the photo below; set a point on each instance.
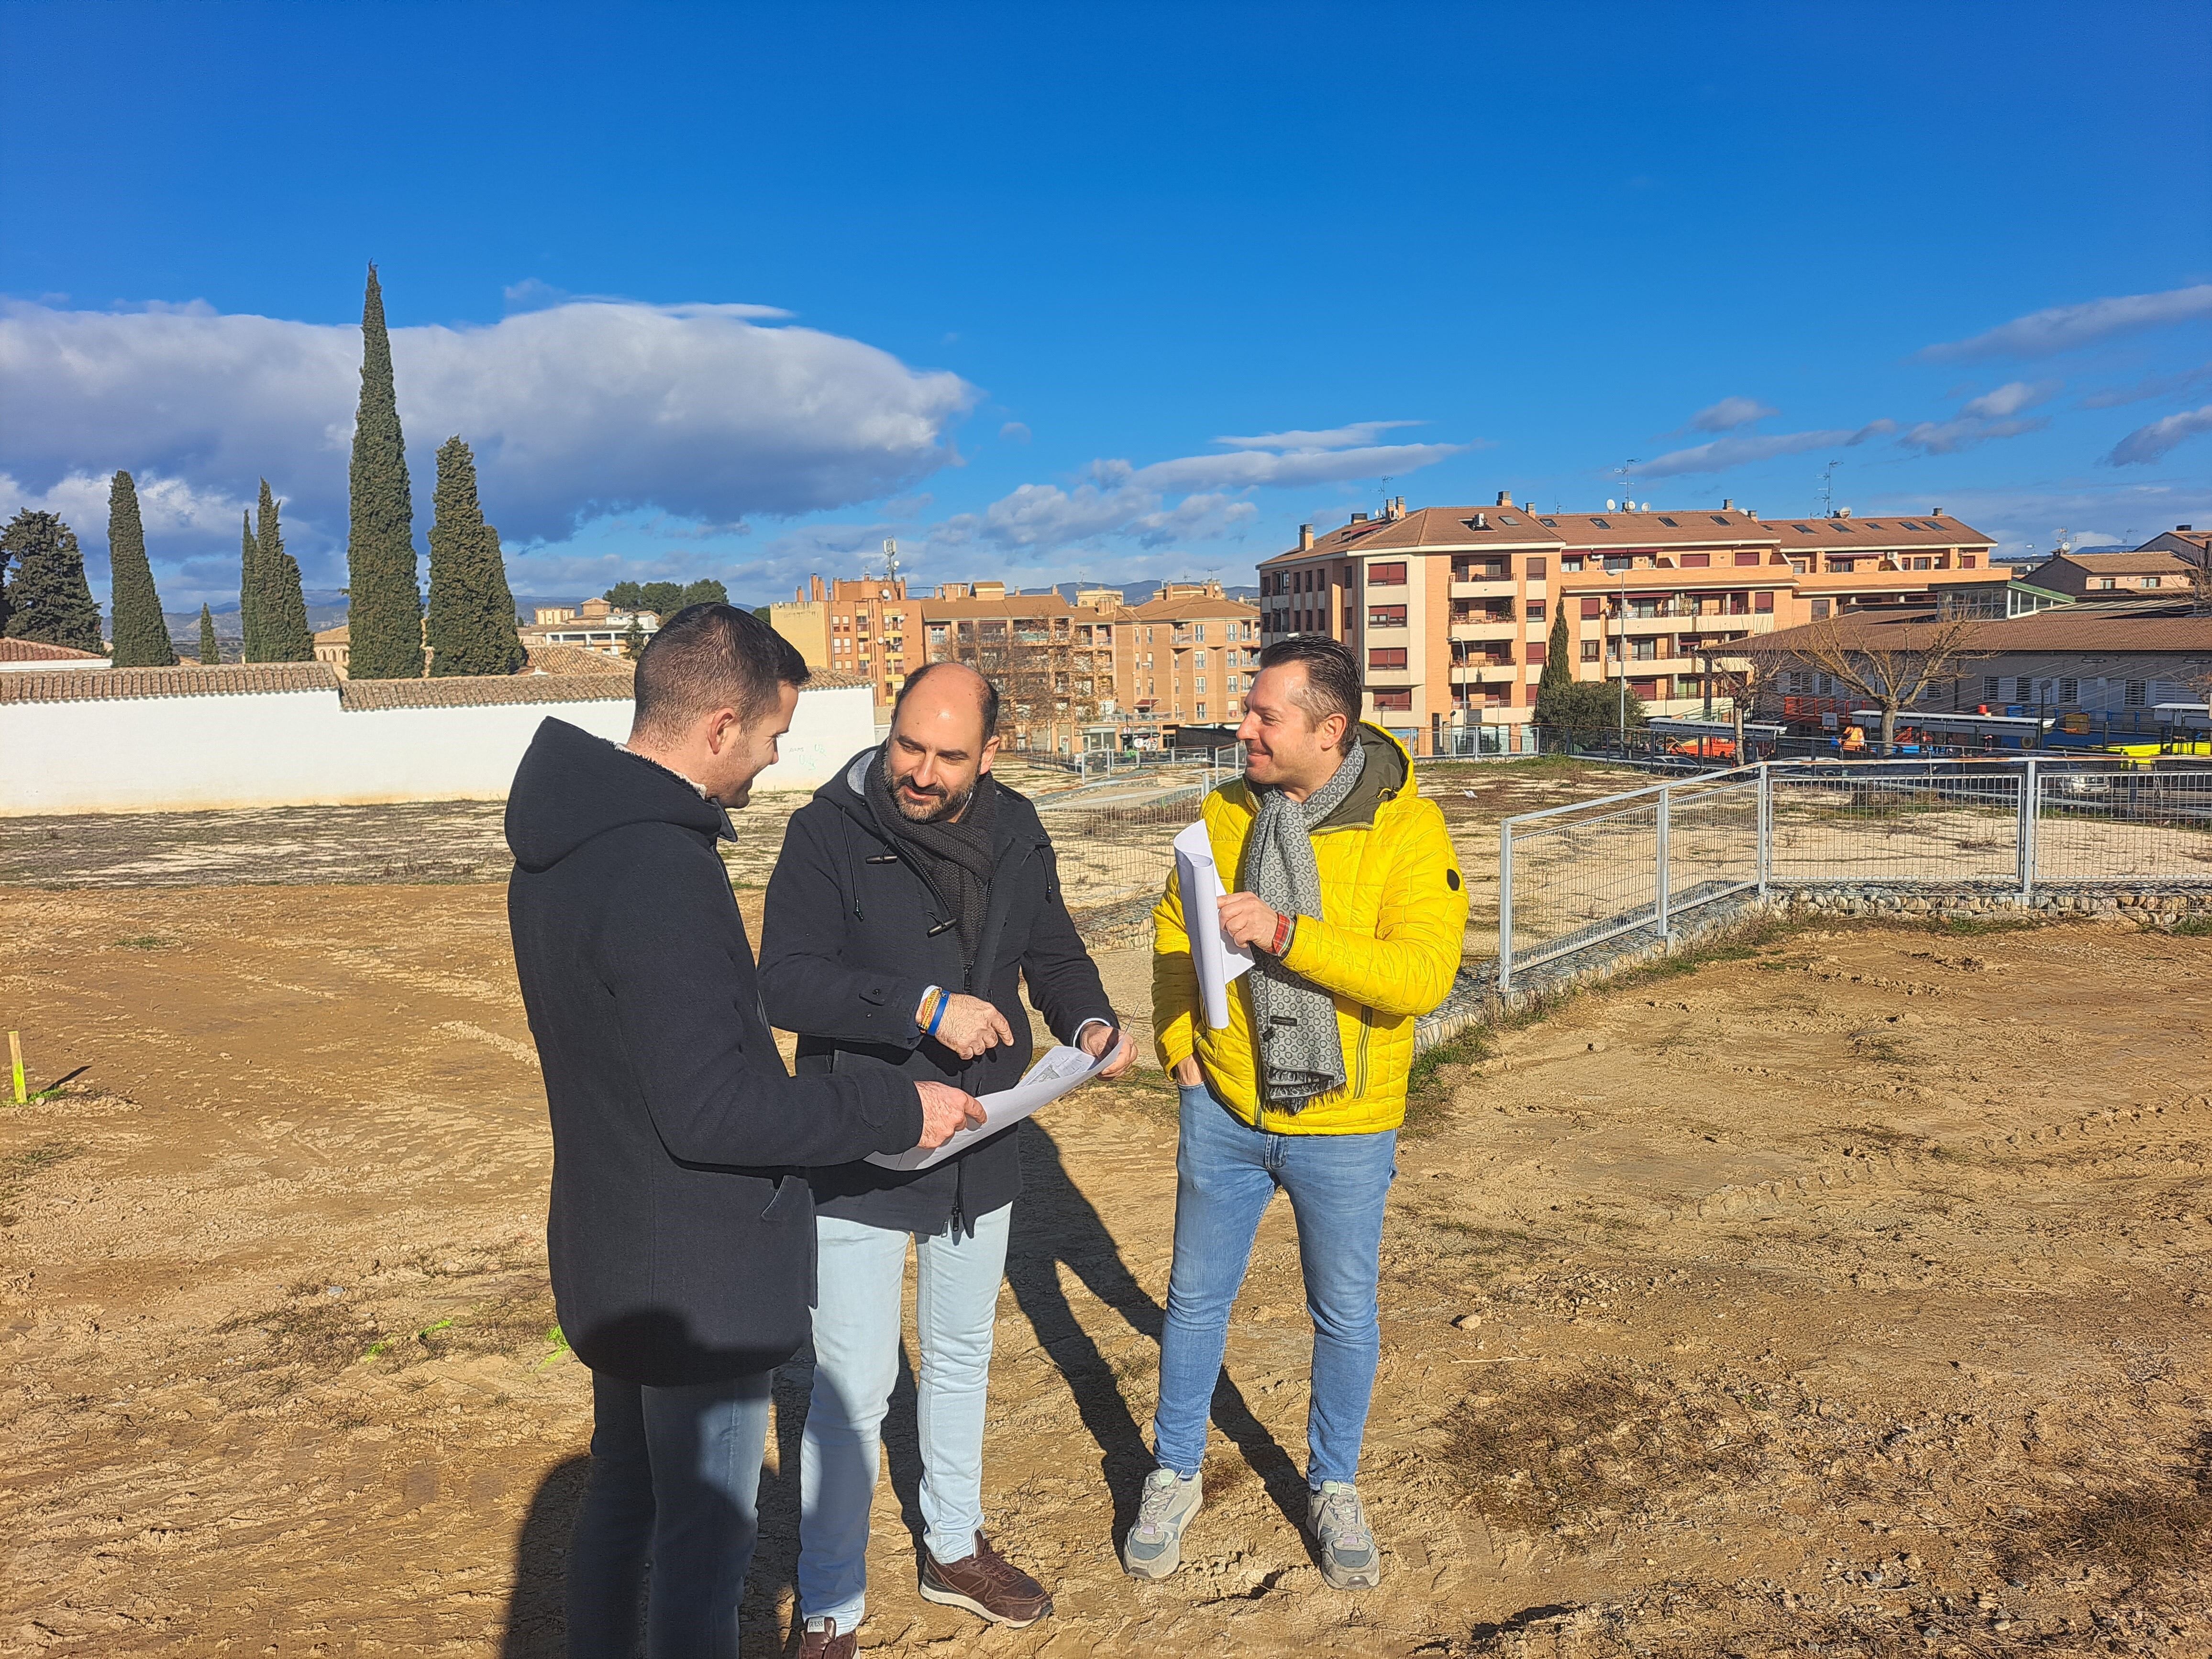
(990, 691)
(708, 657)
(1332, 684)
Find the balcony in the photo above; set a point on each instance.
(1488, 587)
(1484, 628)
(1498, 673)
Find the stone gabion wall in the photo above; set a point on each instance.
(2157, 907)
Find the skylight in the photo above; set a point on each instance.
(1555, 523)
(1668, 522)
(1600, 524)
(1716, 517)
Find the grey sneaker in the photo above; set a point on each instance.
(1349, 1559)
(1154, 1549)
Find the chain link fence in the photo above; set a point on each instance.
(1572, 877)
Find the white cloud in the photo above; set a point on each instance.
(1359, 435)
(1949, 437)
(1248, 467)
(2009, 399)
(2063, 328)
(2154, 385)
(1728, 414)
(577, 411)
(2150, 443)
(1724, 452)
(1015, 432)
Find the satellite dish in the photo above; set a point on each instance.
(1608, 504)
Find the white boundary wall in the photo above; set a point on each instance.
(186, 754)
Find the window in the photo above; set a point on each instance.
(1233, 684)
(1386, 615)
(1762, 601)
(1746, 558)
(1802, 529)
(1820, 610)
(2023, 690)
(1386, 657)
(1600, 524)
(1589, 650)
(1386, 576)
(1393, 702)
(2150, 581)
(1796, 567)
(1593, 606)
(1966, 562)
(1716, 517)
(2133, 696)
(1507, 517)
(1617, 563)
(1843, 566)
(1536, 650)
(1645, 650)
(1535, 570)
(1201, 682)
(1351, 617)
(1668, 522)
(1839, 526)
(2070, 690)
(1573, 561)
(1199, 633)
(1535, 610)
(1990, 689)
(1697, 560)
(2104, 582)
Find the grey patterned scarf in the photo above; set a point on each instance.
(1294, 1019)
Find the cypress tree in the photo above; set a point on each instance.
(284, 605)
(472, 627)
(1554, 687)
(384, 613)
(249, 591)
(142, 638)
(49, 599)
(211, 650)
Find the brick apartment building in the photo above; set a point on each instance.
(1449, 609)
(1091, 671)
(2158, 569)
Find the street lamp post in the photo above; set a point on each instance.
(1622, 646)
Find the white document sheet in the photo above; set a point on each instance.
(1218, 959)
(1061, 1070)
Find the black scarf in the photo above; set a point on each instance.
(954, 858)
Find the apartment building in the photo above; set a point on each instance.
(594, 625)
(1449, 610)
(1191, 655)
(2160, 568)
(867, 627)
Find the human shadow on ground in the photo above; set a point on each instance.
(537, 1625)
(1054, 1222)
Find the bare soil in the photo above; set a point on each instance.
(1843, 1293)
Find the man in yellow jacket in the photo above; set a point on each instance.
(1350, 901)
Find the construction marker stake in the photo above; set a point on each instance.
(16, 1065)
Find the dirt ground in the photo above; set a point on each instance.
(1845, 1294)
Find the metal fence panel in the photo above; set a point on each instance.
(1911, 825)
(2111, 827)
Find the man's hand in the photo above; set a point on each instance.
(946, 1111)
(1186, 1073)
(971, 1025)
(1248, 922)
(1093, 1040)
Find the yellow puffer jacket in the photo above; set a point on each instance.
(1387, 945)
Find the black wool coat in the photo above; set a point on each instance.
(851, 936)
(681, 1230)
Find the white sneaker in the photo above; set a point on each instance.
(1154, 1549)
(1337, 1521)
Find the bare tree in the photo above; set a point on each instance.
(2199, 565)
(1039, 687)
(1890, 665)
(1742, 679)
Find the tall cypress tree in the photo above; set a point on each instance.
(385, 614)
(210, 650)
(472, 609)
(142, 638)
(1553, 686)
(49, 599)
(249, 591)
(284, 605)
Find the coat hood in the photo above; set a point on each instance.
(573, 786)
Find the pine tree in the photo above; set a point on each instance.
(249, 591)
(282, 604)
(142, 638)
(472, 627)
(705, 590)
(211, 650)
(384, 613)
(633, 640)
(49, 601)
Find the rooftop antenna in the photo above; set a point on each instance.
(2060, 543)
(1828, 490)
(891, 559)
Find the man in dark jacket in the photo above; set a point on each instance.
(680, 1231)
(913, 893)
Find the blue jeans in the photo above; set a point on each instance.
(675, 1478)
(1225, 1173)
(856, 1350)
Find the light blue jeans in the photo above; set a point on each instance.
(856, 1350)
(675, 1478)
(1227, 1172)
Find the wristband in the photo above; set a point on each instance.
(943, 1001)
(1282, 936)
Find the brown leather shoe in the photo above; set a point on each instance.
(985, 1583)
(826, 1642)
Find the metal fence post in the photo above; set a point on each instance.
(1505, 905)
(1665, 796)
(1765, 823)
(2030, 788)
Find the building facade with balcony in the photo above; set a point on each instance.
(1449, 610)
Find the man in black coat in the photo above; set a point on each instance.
(913, 894)
(681, 1230)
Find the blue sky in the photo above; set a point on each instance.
(1114, 292)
